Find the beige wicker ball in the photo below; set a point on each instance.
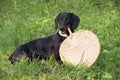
(81, 48)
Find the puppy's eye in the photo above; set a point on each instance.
(66, 18)
(61, 19)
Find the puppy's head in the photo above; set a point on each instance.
(16, 56)
(65, 20)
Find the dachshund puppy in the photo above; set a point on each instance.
(45, 47)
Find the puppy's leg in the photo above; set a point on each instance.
(58, 59)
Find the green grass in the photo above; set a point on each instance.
(24, 20)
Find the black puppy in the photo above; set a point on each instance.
(45, 47)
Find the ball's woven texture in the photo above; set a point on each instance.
(80, 48)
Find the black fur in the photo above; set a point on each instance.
(45, 47)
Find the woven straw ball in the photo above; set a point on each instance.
(80, 48)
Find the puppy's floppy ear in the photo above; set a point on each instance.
(56, 21)
(75, 21)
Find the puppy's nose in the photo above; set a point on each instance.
(61, 27)
(12, 62)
